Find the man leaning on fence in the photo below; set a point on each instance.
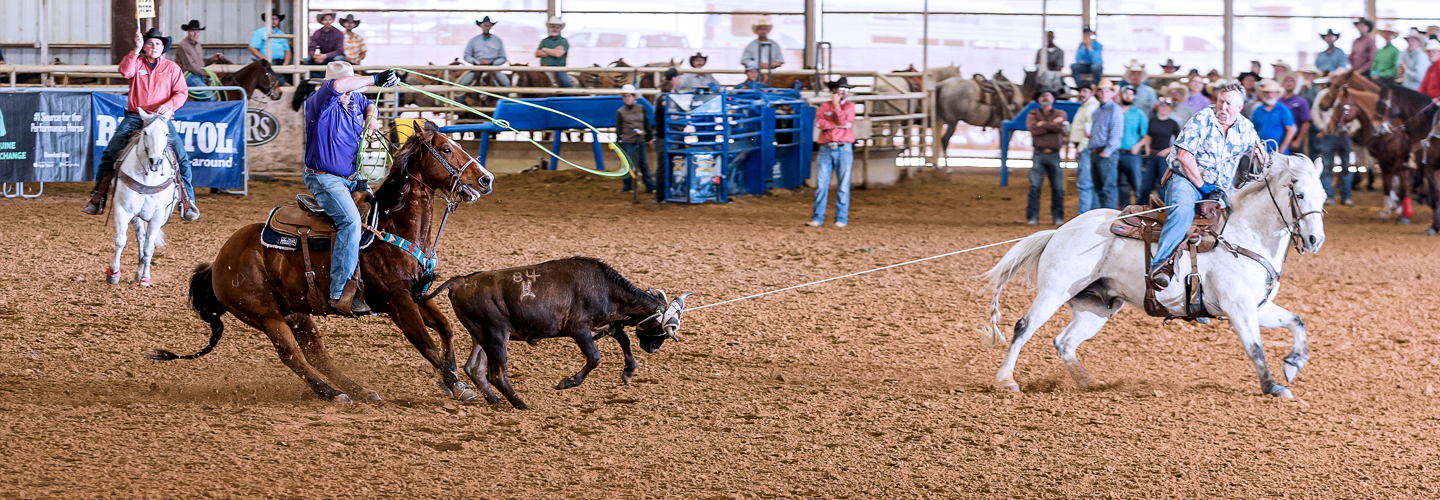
(278, 51)
(632, 126)
(156, 86)
(554, 50)
(1047, 132)
(836, 121)
(191, 58)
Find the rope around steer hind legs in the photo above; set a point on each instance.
(916, 261)
(624, 162)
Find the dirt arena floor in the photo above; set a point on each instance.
(871, 387)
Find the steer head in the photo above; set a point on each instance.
(665, 326)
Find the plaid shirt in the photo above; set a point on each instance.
(1217, 153)
(354, 46)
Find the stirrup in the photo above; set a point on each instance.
(1159, 279)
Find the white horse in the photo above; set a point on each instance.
(146, 191)
(1082, 264)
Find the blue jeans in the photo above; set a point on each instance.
(500, 79)
(1180, 192)
(123, 132)
(1096, 71)
(837, 160)
(1129, 179)
(1046, 165)
(1150, 173)
(1084, 182)
(333, 193)
(1326, 147)
(563, 79)
(198, 95)
(1103, 171)
(639, 155)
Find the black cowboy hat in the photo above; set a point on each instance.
(697, 55)
(274, 13)
(1036, 97)
(1329, 32)
(1170, 63)
(322, 15)
(1366, 22)
(155, 33)
(840, 83)
(193, 25)
(349, 18)
(486, 20)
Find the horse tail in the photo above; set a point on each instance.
(448, 283)
(1023, 260)
(204, 301)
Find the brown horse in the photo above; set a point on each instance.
(267, 289)
(801, 82)
(258, 75)
(1405, 122)
(1346, 80)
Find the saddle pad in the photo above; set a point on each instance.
(1133, 227)
(281, 231)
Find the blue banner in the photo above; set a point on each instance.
(213, 134)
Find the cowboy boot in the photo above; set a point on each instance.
(188, 211)
(350, 302)
(99, 195)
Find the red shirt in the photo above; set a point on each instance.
(1430, 85)
(152, 88)
(829, 120)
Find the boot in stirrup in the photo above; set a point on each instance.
(350, 303)
(98, 196)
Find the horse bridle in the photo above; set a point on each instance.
(1295, 212)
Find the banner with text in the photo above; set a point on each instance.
(45, 137)
(213, 134)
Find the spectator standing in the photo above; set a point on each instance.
(1327, 146)
(1387, 59)
(768, 57)
(1106, 129)
(486, 49)
(1213, 76)
(1052, 56)
(1197, 100)
(1178, 93)
(355, 48)
(1272, 121)
(1415, 62)
(327, 43)
(1279, 67)
(1299, 110)
(1430, 85)
(1144, 95)
(278, 51)
(1080, 137)
(1310, 90)
(1362, 51)
(1332, 58)
(1132, 151)
(690, 81)
(191, 58)
(554, 50)
(1170, 68)
(1159, 135)
(1047, 132)
(632, 125)
(1089, 58)
(836, 121)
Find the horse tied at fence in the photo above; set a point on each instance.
(579, 297)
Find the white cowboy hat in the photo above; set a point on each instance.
(1280, 62)
(1417, 34)
(627, 89)
(1135, 66)
(555, 20)
(338, 69)
(764, 21)
(1433, 44)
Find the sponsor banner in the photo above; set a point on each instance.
(45, 137)
(213, 134)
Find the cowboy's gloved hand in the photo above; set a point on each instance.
(1208, 188)
(387, 78)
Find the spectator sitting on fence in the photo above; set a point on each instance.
(1169, 68)
(355, 48)
(1332, 58)
(1052, 56)
(752, 78)
(836, 120)
(554, 50)
(768, 57)
(690, 81)
(633, 131)
(156, 86)
(1047, 132)
(279, 51)
(1089, 58)
(326, 44)
(191, 58)
(486, 50)
(1387, 59)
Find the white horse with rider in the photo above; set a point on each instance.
(1096, 273)
(146, 192)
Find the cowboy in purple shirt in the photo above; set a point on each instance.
(326, 44)
(1298, 107)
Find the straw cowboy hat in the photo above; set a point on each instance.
(762, 22)
(338, 69)
(1310, 68)
(1299, 78)
(1416, 34)
(1281, 63)
(1180, 86)
(1388, 28)
(1134, 66)
(349, 18)
(554, 20)
(485, 20)
(322, 15)
(1330, 32)
(1269, 86)
(275, 13)
(155, 33)
(193, 25)
(1106, 83)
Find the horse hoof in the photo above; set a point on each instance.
(145, 282)
(1010, 385)
(112, 276)
(372, 397)
(462, 392)
(1402, 220)
(625, 378)
(1280, 391)
(1430, 231)
(566, 383)
(341, 399)
(492, 399)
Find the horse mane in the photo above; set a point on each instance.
(392, 191)
(1409, 102)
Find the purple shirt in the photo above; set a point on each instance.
(332, 130)
(330, 41)
(1299, 107)
(1198, 102)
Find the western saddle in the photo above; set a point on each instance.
(1210, 219)
(305, 226)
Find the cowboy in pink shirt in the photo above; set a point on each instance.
(836, 120)
(157, 86)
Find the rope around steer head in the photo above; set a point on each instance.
(624, 162)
